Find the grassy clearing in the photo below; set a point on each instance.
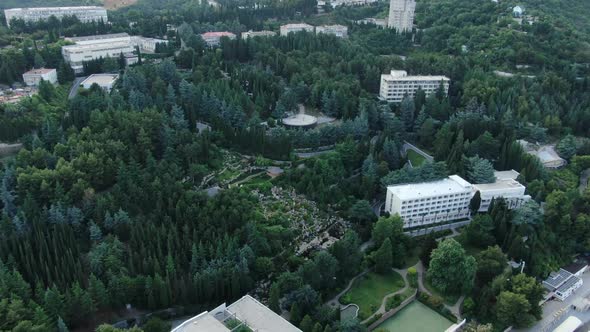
(368, 291)
(415, 158)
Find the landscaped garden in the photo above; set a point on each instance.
(415, 158)
(369, 290)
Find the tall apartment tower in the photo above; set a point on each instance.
(401, 15)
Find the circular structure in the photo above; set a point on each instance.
(300, 121)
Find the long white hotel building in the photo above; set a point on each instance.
(448, 199)
(397, 84)
(85, 14)
(105, 46)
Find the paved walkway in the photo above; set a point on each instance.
(455, 308)
(75, 87)
(381, 310)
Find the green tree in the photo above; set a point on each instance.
(306, 324)
(567, 147)
(475, 202)
(451, 270)
(274, 298)
(156, 324)
(512, 310)
(480, 170)
(490, 263)
(384, 257)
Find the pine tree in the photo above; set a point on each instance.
(61, 325)
(317, 328)
(407, 113)
(384, 257)
(295, 314)
(306, 324)
(455, 157)
(274, 298)
(95, 232)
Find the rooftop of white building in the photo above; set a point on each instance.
(101, 45)
(296, 25)
(100, 79)
(454, 184)
(97, 37)
(56, 8)
(247, 310)
(505, 180)
(402, 75)
(40, 71)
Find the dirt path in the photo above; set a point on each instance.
(584, 176)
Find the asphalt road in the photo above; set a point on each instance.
(75, 87)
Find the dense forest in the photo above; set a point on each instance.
(104, 206)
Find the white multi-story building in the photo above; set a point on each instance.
(34, 77)
(295, 27)
(85, 14)
(401, 15)
(448, 200)
(246, 312)
(431, 202)
(213, 39)
(106, 46)
(105, 81)
(506, 187)
(264, 33)
(339, 31)
(338, 3)
(396, 85)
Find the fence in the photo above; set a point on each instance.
(392, 312)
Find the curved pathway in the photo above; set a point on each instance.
(381, 310)
(334, 301)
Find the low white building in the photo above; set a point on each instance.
(263, 33)
(563, 283)
(546, 154)
(296, 27)
(338, 3)
(85, 14)
(148, 45)
(506, 187)
(397, 84)
(213, 39)
(105, 81)
(34, 77)
(337, 30)
(430, 202)
(246, 312)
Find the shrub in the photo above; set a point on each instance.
(435, 301)
(413, 277)
(373, 319)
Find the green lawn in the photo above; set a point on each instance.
(415, 158)
(369, 290)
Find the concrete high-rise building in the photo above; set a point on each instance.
(85, 14)
(397, 84)
(401, 15)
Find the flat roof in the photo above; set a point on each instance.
(297, 25)
(218, 34)
(574, 268)
(202, 323)
(39, 71)
(415, 78)
(56, 8)
(98, 37)
(499, 184)
(556, 279)
(568, 284)
(259, 317)
(100, 79)
(506, 175)
(300, 120)
(548, 154)
(454, 184)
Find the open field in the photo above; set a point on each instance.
(415, 158)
